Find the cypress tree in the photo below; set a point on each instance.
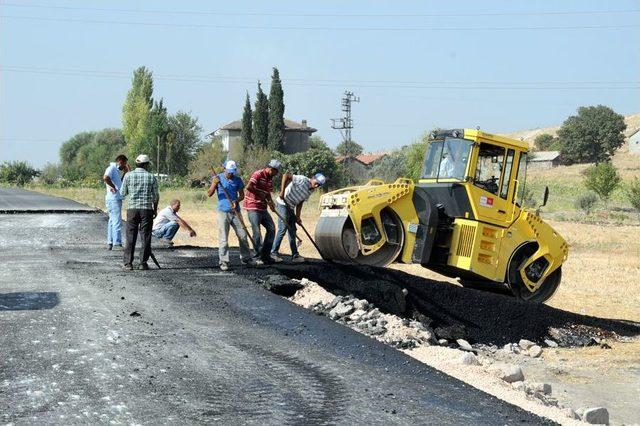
(246, 133)
(261, 119)
(276, 112)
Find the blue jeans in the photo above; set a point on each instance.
(114, 226)
(167, 231)
(289, 228)
(257, 218)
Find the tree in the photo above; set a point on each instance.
(246, 133)
(313, 161)
(602, 179)
(182, 142)
(633, 194)
(69, 151)
(50, 174)
(208, 159)
(276, 113)
(415, 158)
(317, 142)
(87, 154)
(546, 142)
(261, 119)
(17, 173)
(136, 112)
(391, 167)
(349, 148)
(592, 136)
(155, 142)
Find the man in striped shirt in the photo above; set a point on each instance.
(294, 191)
(142, 189)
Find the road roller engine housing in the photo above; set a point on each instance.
(463, 219)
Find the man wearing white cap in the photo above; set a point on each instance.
(258, 199)
(230, 189)
(142, 188)
(294, 191)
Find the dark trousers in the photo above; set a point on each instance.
(143, 219)
(257, 218)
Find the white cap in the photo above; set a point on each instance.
(230, 166)
(142, 158)
(274, 164)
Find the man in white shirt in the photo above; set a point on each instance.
(294, 191)
(113, 200)
(447, 166)
(167, 223)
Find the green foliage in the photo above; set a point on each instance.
(208, 160)
(136, 113)
(254, 158)
(526, 194)
(349, 148)
(633, 193)
(313, 161)
(261, 119)
(276, 113)
(602, 179)
(50, 174)
(87, 154)
(415, 158)
(586, 202)
(155, 141)
(317, 142)
(183, 138)
(17, 173)
(546, 142)
(246, 133)
(391, 167)
(592, 136)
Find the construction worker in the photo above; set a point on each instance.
(256, 202)
(167, 223)
(230, 189)
(447, 165)
(142, 189)
(113, 200)
(294, 191)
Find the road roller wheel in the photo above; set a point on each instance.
(337, 239)
(517, 286)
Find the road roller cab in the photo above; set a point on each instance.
(464, 218)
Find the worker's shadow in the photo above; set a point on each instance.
(28, 301)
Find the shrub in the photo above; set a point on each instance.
(391, 167)
(17, 173)
(602, 179)
(209, 157)
(586, 202)
(312, 161)
(528, 199)
(633, 194)
(254, 158)
(50, 174)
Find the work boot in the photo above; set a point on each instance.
(109, 246)
(248, 262)
(144, 266)
(167, 241)
(297, 259)
(276, 257)
(224, 266)
(127, 267)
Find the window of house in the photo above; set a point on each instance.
(489, 167)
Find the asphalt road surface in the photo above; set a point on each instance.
(85, 342)
(21, 201)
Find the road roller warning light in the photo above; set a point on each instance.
(464, 219)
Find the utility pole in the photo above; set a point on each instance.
(345, 124)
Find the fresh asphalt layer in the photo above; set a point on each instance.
(85, 342)
(13, 200)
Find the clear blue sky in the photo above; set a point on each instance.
(501, 65)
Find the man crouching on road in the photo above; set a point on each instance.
(294, 191)
(113, 200)
(167, 223)
(258, 198)
(230, 189)
(142, 188)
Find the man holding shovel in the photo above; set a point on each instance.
(294, 191)
(230, 189)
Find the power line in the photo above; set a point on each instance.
(316, 28)
(324, 15)
(493, 85)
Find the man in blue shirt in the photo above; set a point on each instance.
(113, 200)
(230, 189)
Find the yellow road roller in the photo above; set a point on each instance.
(463, 219)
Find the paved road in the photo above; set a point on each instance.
(21, 201)
(84, 342)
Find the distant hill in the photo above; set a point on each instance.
(633, 124)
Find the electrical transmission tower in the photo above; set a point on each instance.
(345, 124)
